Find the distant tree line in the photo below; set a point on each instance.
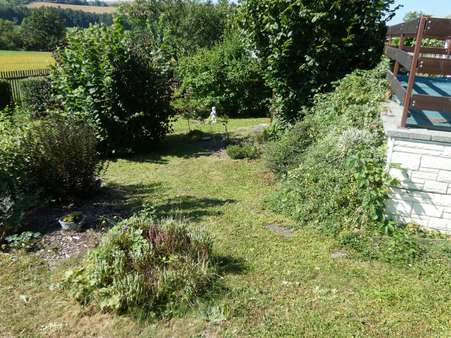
(41, 28)
(69, 17)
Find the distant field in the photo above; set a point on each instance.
(12, 60)
(89, 9)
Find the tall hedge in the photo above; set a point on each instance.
(103, 77)
(307, 44)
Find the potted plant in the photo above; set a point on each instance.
(73, 221)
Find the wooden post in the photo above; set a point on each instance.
(413, 70)
(401, 46)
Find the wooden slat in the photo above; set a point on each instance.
(428, 50)
(434, 66)
(439, 28)
(407, 28)
(397, 54)
(396, 86)
(435, 103)
(435, 27)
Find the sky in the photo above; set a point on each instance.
(438, 8)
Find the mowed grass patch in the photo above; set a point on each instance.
(273, 285)
(21, 60)
(180, 125)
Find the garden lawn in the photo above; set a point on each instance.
(272, 286)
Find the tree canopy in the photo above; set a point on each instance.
(307, 44)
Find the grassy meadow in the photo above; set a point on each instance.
(21, 60)
(88, 9)
(273, 284)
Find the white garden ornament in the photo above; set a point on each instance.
(213, 115)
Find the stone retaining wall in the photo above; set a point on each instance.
(423, 169)
(421, 161)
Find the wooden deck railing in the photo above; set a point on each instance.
(419, 60)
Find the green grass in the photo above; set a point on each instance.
(273, 286)
(20, 60)
(180, 125)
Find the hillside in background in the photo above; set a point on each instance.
(83, 8)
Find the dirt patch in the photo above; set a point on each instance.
(285, 232)
(60, 245)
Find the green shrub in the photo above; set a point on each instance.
(36, 95)
(25, 241)
(5, 94)
(305, 44)
(142, 266)
(285, 153)
(242, 151)
(13, 161)
(227, 76)
(333, 169)
(124, 90)
(62, 159)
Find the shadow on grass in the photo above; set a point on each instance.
(191, 208)
(109, 202)
(115, 202)
(183, 146)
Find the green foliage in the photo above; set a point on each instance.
(5, 94)
(145, 267)
(333, 173)
(41, 161)
(227, 76)
(285, 153)
(13, 202)
(69, 17)
(9, 37)
(107, 79)
(62, 159)
(42, 30)
(412, 15)
(242, 151)
(306, 44)
(24, 241)
(73, 217)
(179, 27)
(36, 95)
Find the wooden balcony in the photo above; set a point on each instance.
(421, 75)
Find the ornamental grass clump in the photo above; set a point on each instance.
(143, 266)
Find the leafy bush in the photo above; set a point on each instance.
(62, 159)
(179, 27)
(13, 203)
(333, 175)
(143, 266)
(241, 151)
(227, 76)
(51, 159)
(36, 95)
(285, 153)
(26, 240)
(43, 29)
(306, 44)
(105, 78)
(5, 94)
